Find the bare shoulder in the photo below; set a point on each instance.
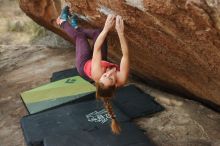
(121, 79)
(96, 74)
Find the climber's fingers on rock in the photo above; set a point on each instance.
(111, 17)
(119, 24)
(109, 22)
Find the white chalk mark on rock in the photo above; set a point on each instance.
(105, 10)
(137, 4)
(86, 18)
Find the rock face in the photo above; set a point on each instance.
(173, 43)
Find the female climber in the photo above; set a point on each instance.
(93, 63)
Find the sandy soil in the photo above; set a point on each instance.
(25, 64)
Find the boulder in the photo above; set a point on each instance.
(174, 45)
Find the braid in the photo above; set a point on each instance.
(105, 95)
(108, 107)
(114, 125)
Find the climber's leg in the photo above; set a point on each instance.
(72, 33)
(93, 34)
(83, 52)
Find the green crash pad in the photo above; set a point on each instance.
(56, 93)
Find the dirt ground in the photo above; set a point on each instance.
(27, 60)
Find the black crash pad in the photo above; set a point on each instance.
(135, 103)
(85, 116)
(130, 136)
(130, 99)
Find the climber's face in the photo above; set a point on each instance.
(109, 77)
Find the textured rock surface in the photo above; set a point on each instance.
(26, 64)
(174, 43)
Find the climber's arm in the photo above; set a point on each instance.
(122, 75)
(97, 55)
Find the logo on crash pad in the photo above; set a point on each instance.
(98, 116)
(70, 81)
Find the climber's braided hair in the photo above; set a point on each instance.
(105, 94)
